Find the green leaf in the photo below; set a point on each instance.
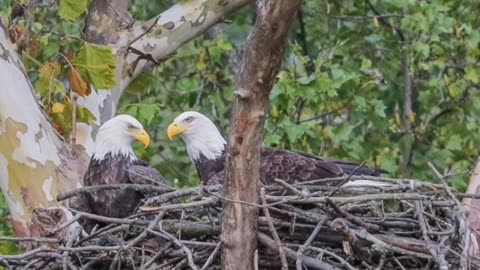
(85, 116)
(454, 143)
(379, 107)
(97, 64)
(342, 132)
(471, 74)
(71, 9)
(360, 103)
(146, 112)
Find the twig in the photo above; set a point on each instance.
(274, 233)
(310, 262)
(208, 201)
(464, 258)
(74, 121)
(89, 189)
(339, 185)
(307, 243)
(29, 239)
(155, 21)
(211, 257)
(185, 249)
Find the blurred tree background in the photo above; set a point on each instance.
(394, 83)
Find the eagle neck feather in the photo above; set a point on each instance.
(123, 151)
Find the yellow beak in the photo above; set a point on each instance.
(174, 130)
(142, 136)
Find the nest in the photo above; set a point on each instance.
(396, 224)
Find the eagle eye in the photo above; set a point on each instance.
(130, 126)
(188, 119)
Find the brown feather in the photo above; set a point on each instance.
(286, 165)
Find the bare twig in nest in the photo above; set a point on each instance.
(89, 189)
(307, 243)
(311, 262)
(283, 259)
(366, 227)
(212, 256)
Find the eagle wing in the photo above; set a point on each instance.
(295, 166)
(111, 203)
(140, 172)
(288, 166)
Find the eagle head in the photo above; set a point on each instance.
(199, 134)
(115, 137)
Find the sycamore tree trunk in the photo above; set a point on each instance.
(35, 163)
(473, 205)
(262, 60)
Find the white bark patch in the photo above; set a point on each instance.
(94, 102)
(16, 209)
(85, 138)
(17, 103)
(47, 188)
(4, 174)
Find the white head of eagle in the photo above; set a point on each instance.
(115, 137)
(200, 135)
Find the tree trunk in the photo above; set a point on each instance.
(473, 205)
(262, 60)
(35, 163)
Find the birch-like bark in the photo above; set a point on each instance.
(35, 163)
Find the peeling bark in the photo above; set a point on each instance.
(262, 60)
(34, 163)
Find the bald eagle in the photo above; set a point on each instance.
(206, 149)
(113, 162)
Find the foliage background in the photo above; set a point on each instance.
(341, 93)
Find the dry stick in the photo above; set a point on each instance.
(29, 239)
(425, 232)
(339, 185)
(89, 189)
(308, 242)
(288, 186)
(144, 33)
(292, 254)
(70, 240)
(352, 218)
(156, 256)
(211, 257)
(345, 200)
(137, 239)
(283, 259)
(182, 193)
(74, 121)
(464, 258)
(332, 254)
(207, 201)
(144, 234)
(185, 249)
(151, 180)
(398, 263)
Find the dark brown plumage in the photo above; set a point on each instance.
(117, 170)
(286, 165)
